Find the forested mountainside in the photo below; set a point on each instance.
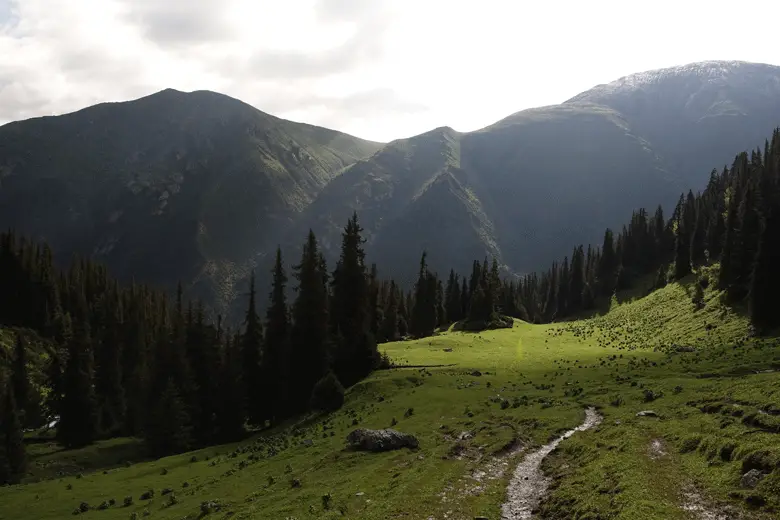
(201, 188)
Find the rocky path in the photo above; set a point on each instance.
(529, 484)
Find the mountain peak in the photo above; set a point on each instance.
(713, 72)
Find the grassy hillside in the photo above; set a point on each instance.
(476, 402)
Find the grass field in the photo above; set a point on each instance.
(472, 399)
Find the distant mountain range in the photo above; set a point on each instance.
(200, 187)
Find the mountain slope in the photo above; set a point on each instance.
(200, 187)
(696, 116)
(171, 186)
(548, 178)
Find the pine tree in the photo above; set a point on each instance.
(277, 343)
(423, 320)
(108, 373)
(309, 335)
(13, 459)
(169, 427)
(763, 302)
(21, 379)
(231, 414)
(78, 420)
(608, 263)
(452, 298)
(356, 353)
(577, 280)
(389, 330)
(251, 352)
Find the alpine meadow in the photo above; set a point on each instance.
(574, 313)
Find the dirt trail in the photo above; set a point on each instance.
(528, 484)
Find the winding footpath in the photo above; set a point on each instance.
(529, 484)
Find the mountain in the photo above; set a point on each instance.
(200, 187)
(529, 187)
(173, 186)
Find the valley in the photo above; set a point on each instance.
(479, 403)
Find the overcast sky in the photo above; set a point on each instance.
(379, 69)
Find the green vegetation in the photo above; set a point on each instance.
(477, 397)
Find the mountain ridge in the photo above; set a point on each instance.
(201, 187)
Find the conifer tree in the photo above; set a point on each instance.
(452, 298)
(111, 398)
(276, 360)
(21, 379)
(251, 353)
(389, 331)
(682, 245)
(423, 320)
(169, 428)
(13, 459)
(356, 353)
(78, 420)
(577, 280)
(309, 335)
(231, 414)
(607, 267)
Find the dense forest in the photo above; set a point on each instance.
(129, 360)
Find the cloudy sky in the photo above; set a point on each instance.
(379, 69)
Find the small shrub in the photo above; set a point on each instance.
(164, 471)
(678, 389)
(295, 483)
(194, 459)
(147, 495)
(166, 491)
(128, 501)
(617, 401)
(133, 516)
(328, 394)
(112, 502)
(409, 412)
(326, 500)
(690, 444)
(504, 404)
(650, 396)
(103, 506)
(84, 507)
(146, 513)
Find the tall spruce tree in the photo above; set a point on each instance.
(423, 319)
(276, 358)
(356, 352)
(251, 353)
(231, 413)
(77, 426)
(21, 379)
(13, 459)
(389, 330)
(608, 264)
(309, 343)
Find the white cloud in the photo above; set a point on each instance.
(380, 69)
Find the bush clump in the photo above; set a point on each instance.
(328, 394)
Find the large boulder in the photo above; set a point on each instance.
(380, 440)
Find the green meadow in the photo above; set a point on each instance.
(477, 402)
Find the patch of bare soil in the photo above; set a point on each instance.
(700, 509)
(657, 449)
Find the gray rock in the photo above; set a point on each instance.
(308, 442)
(751, 479)
(647, 413)
(380, 440)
